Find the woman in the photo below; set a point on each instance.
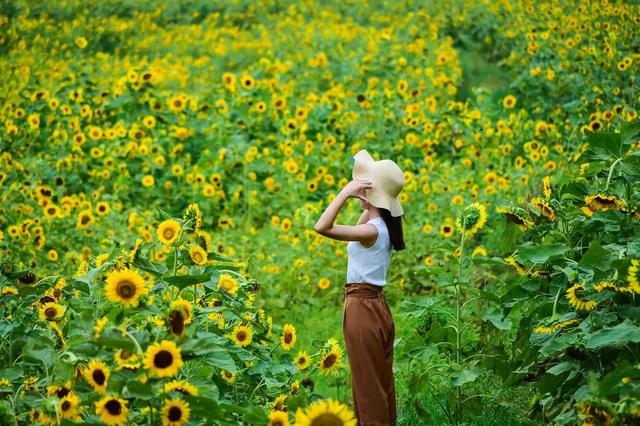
(368, 326)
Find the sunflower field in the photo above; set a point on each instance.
(162, 165)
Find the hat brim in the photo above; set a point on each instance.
(381, 200)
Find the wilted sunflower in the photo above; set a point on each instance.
(575, 295)
(288, 338)
(193, 218)
(97, 374)
(242, 335)
(198, 255)
(603, 202)
(543, 207)
(168, 231)
(330, 360)
(181, 386)
(112, 410)
(326, 412)
(163, 359)
(125, 286)
(51, 311)
(175, 412)
(228, 283)
(474, 217)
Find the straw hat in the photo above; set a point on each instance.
(387, 181)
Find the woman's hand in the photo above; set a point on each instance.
(356, 188)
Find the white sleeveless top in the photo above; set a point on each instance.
(369, 265)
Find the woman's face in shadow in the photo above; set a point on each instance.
(364, 204)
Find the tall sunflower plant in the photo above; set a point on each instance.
(572, 296)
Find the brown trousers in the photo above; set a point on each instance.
(369, 332)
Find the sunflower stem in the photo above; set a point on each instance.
(138, 348)
(611, 172)
(458, 329)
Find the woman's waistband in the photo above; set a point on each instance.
(363, 290)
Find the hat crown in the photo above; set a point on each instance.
(387, 180)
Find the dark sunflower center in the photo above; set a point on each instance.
(168, 233)
(113, 407)
(126, 289)
(51, 312)
(163, 359)
(241, 336)
(329, 360)
(99, 377)
(175, 414)
(65, 406)
(85, 220)
(288, 337)
(302, 360)
(327, 419)
(62, 392)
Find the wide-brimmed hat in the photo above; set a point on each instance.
(387, 181)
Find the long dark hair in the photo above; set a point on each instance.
(394, 225)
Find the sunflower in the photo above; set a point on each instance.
(302, 360)
(163, 359)
(604, 286)
(126, 359)
(278, 403)
(330, 360)
(125, 286)
(278, 418)
(288, 338)
(519, 267)
(135, 252)
(228, 376)
(192, 217)
(592, 414)
(541, 205)
(85, 218)
(446, 230)
(181, 386)
(112, 410)
(546, 187)
(168, 231)
(242, 335)
(97, 375)
(324, 283)
(325, 412)
(228, 284)
(59, 391)
(175, 412)
(68, 407)
(509, 101)
(575, 295)
(185, 306)
(198, 255)
(176, 322)
(474, 216)
(100, 324)
(51, 311)
(603, 202)
(633, 278)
